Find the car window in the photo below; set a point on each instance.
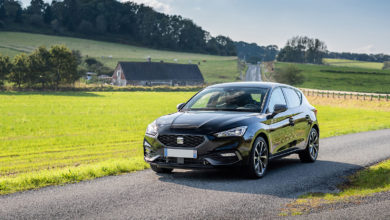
(292, 97)
(277, 97)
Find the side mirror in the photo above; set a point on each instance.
(180, 106)
(279, 109)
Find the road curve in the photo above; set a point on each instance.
(201, 194)
(253, 73)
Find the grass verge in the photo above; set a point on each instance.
(365, 182)
(44, 178)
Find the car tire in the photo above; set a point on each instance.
(258, 159)
(310, 154)
(160, 170)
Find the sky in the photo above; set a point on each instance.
(360, 26)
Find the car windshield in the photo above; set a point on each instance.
(228, 99)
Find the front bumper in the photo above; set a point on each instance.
(212, 153)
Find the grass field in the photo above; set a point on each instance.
(353, 63)
(343, 78)
(215, 69)
(55, 138)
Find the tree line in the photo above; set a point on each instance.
(253, 53)
(302, 49)
(111, 20)
(48, 68)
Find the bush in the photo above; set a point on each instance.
(386, 65)
(289, 74)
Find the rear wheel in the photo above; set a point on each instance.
(310, 154)
(258, 160)
(160, 169)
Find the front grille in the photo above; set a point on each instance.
(189, 140)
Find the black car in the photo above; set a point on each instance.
(234, 124)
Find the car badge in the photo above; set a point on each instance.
(180, 140)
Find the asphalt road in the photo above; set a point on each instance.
(253, 73)
(205, 194)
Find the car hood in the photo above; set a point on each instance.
(204, 120)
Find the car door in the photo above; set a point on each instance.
(279, 125)
(298, 117)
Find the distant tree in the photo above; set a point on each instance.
(86, 27)
(5, 68)
(20, 69)
(64, 65)
(3, 13)
(303, 50)
(47, 14)
(36, 7)
(289, 74)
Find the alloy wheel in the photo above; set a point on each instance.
(260, 158)
(313, 144)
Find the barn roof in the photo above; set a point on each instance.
(160, 71)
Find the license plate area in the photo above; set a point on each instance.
(180, 153)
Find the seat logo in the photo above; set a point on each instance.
(180, 140)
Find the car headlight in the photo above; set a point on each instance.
(234, 132)
(152, 129)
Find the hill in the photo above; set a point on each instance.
(353, 63)
(214, 68)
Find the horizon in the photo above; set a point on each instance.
(339, 24)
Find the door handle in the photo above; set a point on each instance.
(291, 120)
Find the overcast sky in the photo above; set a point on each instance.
(344, 25)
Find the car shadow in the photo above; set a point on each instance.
(286, 177)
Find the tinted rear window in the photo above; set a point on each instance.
(293, 98)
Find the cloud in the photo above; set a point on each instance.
(158, 5)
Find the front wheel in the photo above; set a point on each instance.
(310, 154)
(160, 170)
(258, 160)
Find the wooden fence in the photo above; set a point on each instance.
(346, 95)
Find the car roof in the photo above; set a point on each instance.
(268, 85)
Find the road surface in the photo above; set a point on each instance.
(253, 73)
(205, 194)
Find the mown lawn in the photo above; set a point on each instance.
(214, 68)
(54, 138)
(353, 63)
(343, 78)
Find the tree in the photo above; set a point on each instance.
(289, 74)
(20, 69)
(5, 68)
(47, 14)
(41, 67)
(64, 65)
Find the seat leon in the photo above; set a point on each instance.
(244, 124)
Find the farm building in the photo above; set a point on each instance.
(152, 73)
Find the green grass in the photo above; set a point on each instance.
(353, 63)
(56, 138)
(215, 69)
(343, 78)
